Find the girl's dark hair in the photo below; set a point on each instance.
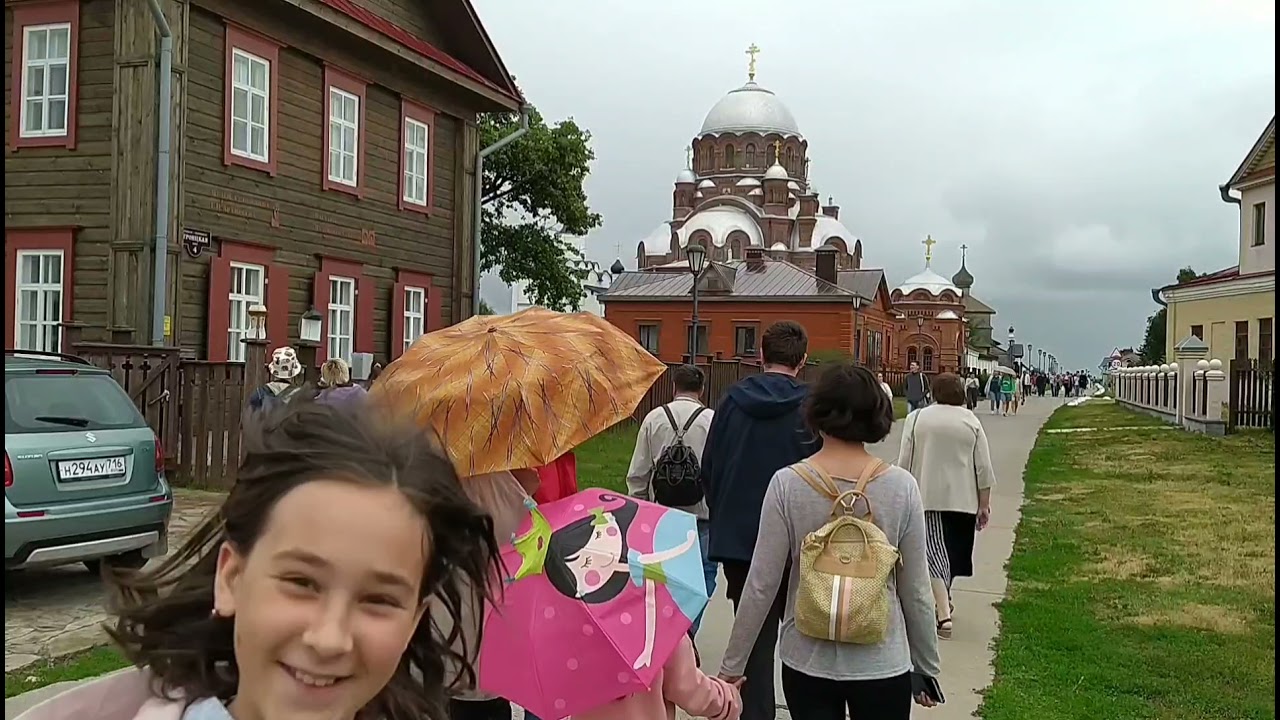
(164, 617)
(568, 540)
(847, 403)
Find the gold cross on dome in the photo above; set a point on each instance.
(928, 243)
(752, 51)
(777, 151)
(963, 248)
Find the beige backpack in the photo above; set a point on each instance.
(843, 593)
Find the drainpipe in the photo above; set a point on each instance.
(479, 221)
(1225, 192)
(1155, 295)
(160, 253)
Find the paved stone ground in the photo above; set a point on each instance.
(55, 611)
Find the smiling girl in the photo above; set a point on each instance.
(303, 597)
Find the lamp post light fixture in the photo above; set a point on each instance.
(697, 255)
(309, 327)
(257, 322)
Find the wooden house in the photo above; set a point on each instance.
(322, 155)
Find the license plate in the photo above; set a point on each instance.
(91, 469)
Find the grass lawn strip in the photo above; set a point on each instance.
(77, 666)
(1142, 583)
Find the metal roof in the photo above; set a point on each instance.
(863, 283)
(974, 305)
(770, 279)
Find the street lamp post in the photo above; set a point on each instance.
(697, 255)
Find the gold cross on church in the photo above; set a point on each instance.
(777, 152)
(751, 65)
(928, 243)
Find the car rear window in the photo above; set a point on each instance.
(53, 403)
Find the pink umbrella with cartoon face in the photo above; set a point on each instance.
(600, 589)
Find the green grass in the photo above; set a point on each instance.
(78, 666)
(603, 460)
(1101, 414)
(1142, 583)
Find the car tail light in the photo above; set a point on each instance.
(159, 457)
(8, 471)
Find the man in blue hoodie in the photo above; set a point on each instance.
(757, 430)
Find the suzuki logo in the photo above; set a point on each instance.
(90, 437)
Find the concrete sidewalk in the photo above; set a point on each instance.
(966, 658)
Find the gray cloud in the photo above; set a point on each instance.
(1075, 148)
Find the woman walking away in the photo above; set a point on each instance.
(945, 448)
(823, 679)
(994, 391)
(304, 595)
(336, 387)
(1007, 386)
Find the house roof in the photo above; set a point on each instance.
(974, 305)
(1257, 155)
(863, 283)
(496, 78)
(769, 280)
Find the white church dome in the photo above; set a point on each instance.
(750, 108)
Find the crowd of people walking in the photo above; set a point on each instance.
(356, 570)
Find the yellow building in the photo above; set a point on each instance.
(1233, 310)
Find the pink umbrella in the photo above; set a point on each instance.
(601, 587)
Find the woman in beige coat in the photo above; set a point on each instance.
(945, 448)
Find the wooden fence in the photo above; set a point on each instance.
(1252, 394)
(196, 406)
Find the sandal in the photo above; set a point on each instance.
(944, 629)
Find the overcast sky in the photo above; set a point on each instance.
(1075, 147)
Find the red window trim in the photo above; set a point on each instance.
(362, 334)
(269, 50)
(276, 298)
(433, 316)
(51, 238)
(44, 13)
(337, 78)
(425, 115)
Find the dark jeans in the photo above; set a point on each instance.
(812, 698)
(759, 702)
(709, 570)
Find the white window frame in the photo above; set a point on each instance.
(42, 290)
(247, 115)
(337, 124)
(239, 303)
(340, 344)
(413, 156)
(415, 319)
(45, 98)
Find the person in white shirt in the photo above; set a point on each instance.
(657, 431)
(888, 391)
(945, 447)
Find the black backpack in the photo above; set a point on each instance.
(675, 481)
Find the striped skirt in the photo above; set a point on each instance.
(949, 537)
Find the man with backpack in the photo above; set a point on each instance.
(758, 430)
(666, 465)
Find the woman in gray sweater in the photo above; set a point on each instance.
(822, 679)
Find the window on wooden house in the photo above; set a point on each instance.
(648, 337)
(342, 310)
(415, 314)
(344, 134)
(417, 125)
(39, 300)
(43, 93)
(248, 288)
(250, 106)
(252, 100)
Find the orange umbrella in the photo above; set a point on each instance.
(518, 391)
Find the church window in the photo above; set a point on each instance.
(730, 156)
(751, 155)
(791, 159)
(913, 355)
(927, 365)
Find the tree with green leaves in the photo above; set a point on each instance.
(1153, 342)
(533, 194)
